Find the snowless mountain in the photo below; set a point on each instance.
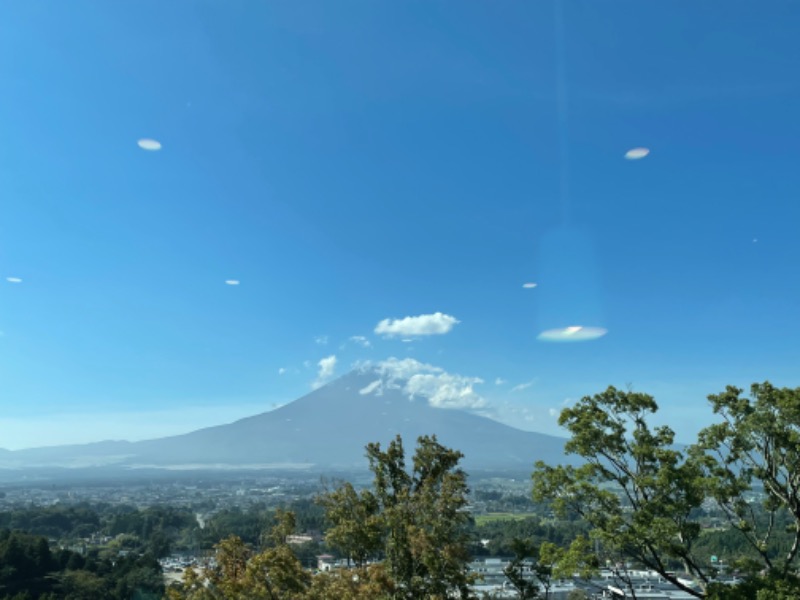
(326, 429)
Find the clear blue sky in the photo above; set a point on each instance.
(350, 162)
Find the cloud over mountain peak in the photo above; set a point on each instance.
(420, 380)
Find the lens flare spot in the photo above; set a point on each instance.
(637, 153)
(574, 333)
(149, 144)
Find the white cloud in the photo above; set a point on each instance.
(361, 341)
(232, 281)
(368, 389)
(13, 280)
(281, 371)
(434, 324)
(446, 390)
(434, 384)
(499, 381)
(522, 386)
(322, 340)
(403, 368)
(554, 412)
(529, 285)
(327, 366)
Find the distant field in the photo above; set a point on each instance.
(501, 516)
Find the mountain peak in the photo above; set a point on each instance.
(330, 427)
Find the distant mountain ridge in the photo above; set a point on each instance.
(325, 429)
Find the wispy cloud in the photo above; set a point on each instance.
(431, 324)
(13, 280)
(500, 381)
(369, 388)
(327, 367)
(360, 340)
(281, 371)
(321, 340)
(522, 386)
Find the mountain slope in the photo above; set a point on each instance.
(325, 429)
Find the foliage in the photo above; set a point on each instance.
(355, 523)
(424, 518)
(758, 587)
(642, 496)
(502, 533)
(242, 574)
(520, 568)
(757, 442)
(29, 567)
(635, 490)
(53, 521)
(360, 583)
(415, 520)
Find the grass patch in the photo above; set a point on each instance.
(502, 516)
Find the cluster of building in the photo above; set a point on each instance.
(218, 493)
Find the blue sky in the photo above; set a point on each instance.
(352, 162)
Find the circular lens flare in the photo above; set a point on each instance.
(637, 153)
(573, 333)
(149, 144)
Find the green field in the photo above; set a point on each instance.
(502, 516)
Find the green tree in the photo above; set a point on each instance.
(360, 583)
(417, 519)
(757, 442)
(642, 496)
(519, 570)
(355, 523)
(636, 491)
(424, 517)
(241, 574)
(83, 585)
(229, 575)
(275, 574)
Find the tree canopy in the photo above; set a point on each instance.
(642, 494)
